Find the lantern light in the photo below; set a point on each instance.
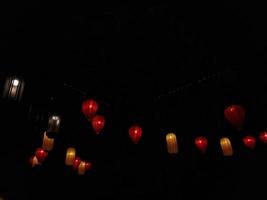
(98, 123)
(226, 146)
(135, 133)
(263, 137)
(172, 145)
(54, 123)
(13, 88)
(201, 143)
(48, 143)
(41, 154)
(82, 168)
(249, 141)
(89, 108)
(235, 115)
(70, 156)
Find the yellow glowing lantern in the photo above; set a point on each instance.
(13, 88)
(53, 123)
(226, 146)
(70, 156)
(34, 161)
(82, 168)
(48, 143)
(171, 143)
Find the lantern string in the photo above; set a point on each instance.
(182, 88)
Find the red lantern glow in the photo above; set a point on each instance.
(135, 133)
(76, 162)
(89, 108)
(249, 142)
(235, 115)
(201, 143)
(263, 137)
(41, 154)
(88, 165)
(98, 123)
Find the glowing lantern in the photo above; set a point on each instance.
(235, 114)
(135, 133)
(249, 142)
(226, 146)
(70, 156)
(48, 143)
(263, 137)
(53, 123)
(88, 165)
(81, 168)
(89, 108)
(98, 123)
(201, 143)
(172, 146)
(41, 154)
(13, 88)
(76, 162)
(34, 161)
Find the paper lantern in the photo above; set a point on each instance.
(263, 137)
(98, 123)
(88, 165)
(226, 146)
(201, 143)
(70, 156)
(41, 154)
(249, 142)
(235, 115)
(89, 108)
(48, 143)
(82, 168)
(54, 123)
(76, 162)
(172, 145)
(135, 133)
(13, 88)
(34, 161)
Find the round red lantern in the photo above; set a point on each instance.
(98, 123)
(88, 165)
(249, 141)
(135, 133)
(41, 154)
(76, 163)
(235, 115)
(201, 143)
(89, 108)
(263, 137)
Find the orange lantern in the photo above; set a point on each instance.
(48, 143)
(34, 161)
(70, 156)
(172, 146)
(82, 168)
(53, 123)
(226, 146)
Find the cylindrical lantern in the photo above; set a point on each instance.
(53, 123)
(226, 146)
(82, 168)
(70, 156)
(172, 145)
(48, 143)
(34, 161)
(13, 88)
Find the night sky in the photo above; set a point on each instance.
(166, 67)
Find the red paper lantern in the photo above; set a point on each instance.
(235, 115)
(135, 133)
(76, 162)
(201, 143)
(249, 141)
(263, 137)
(88, 165)
(41, 154)
(98, 123)
(89, 108)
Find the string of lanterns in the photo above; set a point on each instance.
(234, 114)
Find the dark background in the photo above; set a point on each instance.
(169, 68)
